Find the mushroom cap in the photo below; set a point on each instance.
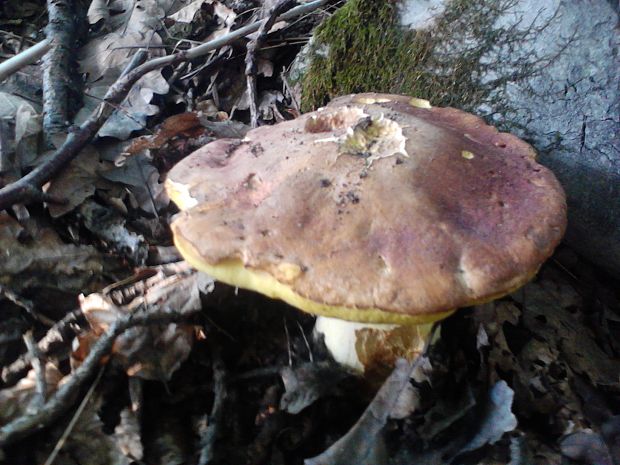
(376, 208)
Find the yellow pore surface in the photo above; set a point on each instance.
(234, 273)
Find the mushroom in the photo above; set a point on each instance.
(378, 213)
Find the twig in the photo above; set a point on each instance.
(289, 90)
(212, 431)
(58, 335)
(288, 342)
(263, 372)
(271, 421)
(22, 190)
(39, 370)
(74, 419)
(5, 149)
(25, 58)
(64, 397)
(303, 334)
(250, 57)
(26, 304)
(60, 30)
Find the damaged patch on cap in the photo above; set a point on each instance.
(369, 137)
(331, 120)
(370, 100)
(374, 138)
(411, 241)
(420, 103)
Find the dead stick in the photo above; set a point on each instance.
(250, 57)
(214, 425)
(25, 58)
(38, 366)
(25, 188)
(66, 394)
(56, 343)
(76, 416)
(61, 30)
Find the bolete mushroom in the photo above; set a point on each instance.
(376, 211)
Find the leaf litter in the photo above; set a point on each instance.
(530, 379)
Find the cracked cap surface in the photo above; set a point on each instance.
(376, 208)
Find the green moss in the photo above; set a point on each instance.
(367, 51)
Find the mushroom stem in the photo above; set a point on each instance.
(371, 347)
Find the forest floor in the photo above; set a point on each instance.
(114, 351)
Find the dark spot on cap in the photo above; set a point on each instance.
(353, 197)
(256, 149)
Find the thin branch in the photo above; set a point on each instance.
(5, 145)
(25, 58)
(39, 369)
(56, 341)
(78, 413)
(250, 57)
(62, 399)
(77, 140)
(61, 30)
(214, 424)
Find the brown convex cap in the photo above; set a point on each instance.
(377, 203)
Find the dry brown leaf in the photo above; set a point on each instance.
(226, 18)
(139, 173)
(77, 181)
(408, 402)
(87, 444)
(107, 56)
(586, 447)
(307, 383)
(547, 313)
(491, 317)
(181, 125)
(27, 122)
(18, 399)
(44, 262)
(104, 58)
(133, 112)
(155, 351)
(264, 67)
(127, 14)
(127, 436)
(9, 105)
(186, 14)
(363, 443)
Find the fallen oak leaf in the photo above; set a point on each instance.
(497, 420)
(363, 443)
(184, 124)
(154, 351)
(14, 401)
(307, 383)
(77, 182)
(26, 189)
(587, 448)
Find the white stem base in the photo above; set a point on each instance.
(340, 339)
(364, 347)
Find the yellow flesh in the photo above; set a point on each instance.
(234, 273)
